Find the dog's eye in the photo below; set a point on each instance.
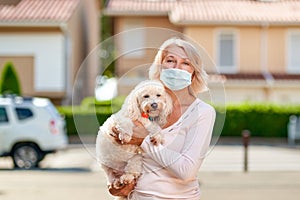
(158, 95)
(146, 96)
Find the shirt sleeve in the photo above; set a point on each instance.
(186, 163)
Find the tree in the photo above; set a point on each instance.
(9, 80)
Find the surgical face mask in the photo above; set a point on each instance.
(175, 79)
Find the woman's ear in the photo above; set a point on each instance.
(193, 75)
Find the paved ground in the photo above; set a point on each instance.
(274, 174)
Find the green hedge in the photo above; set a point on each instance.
(86, 118)
(262, 120)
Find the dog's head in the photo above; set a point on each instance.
(150, 100)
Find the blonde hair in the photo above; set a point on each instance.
(199, 83)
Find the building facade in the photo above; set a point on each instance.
(254, 44)
(47, 41)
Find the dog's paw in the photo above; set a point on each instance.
(127, 178)
(157, 139)
(124, 137)
(117, 184)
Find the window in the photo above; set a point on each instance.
(226, 51)
(3, 115)
(133, 41)
(294, 51)
(23, 113)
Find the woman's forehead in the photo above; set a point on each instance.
(176, 51)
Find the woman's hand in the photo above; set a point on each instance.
(139, 134)
(123, 191)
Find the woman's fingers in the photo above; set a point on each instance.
(139, 133)
(115, 131)
(116, 135)
(122, 191)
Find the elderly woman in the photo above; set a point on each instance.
(170, 170)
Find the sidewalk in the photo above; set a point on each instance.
(250, 186)
(271, 154)
(226, 156)
(260, 158)
(273, 171)
(274, 174)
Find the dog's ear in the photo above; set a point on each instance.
(166, 110)
(132, 106)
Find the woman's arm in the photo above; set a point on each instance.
(139, 134)
(186, 163)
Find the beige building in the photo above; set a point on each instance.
(255, 44)
(47, 41)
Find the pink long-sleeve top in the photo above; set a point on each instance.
(170, 170)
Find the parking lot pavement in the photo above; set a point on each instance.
(274, 174)
(52, 184)
(260, 158)
(265, 185)
(75, 157)
(221, 158)
(80, 185)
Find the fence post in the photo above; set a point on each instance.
(292, 129)
(246, 138)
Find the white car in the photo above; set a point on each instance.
(30, 128)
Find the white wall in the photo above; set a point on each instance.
(48, 52)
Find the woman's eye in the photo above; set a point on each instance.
(158, 95)
(186, 63)
(170, 61)
(146, 96)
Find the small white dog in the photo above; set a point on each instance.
(147, 103)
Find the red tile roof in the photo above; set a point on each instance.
(212, 11)
(244, 76)
(255, 77)
(38, 11)
(282, 76)
(238, 11)
(140, 7)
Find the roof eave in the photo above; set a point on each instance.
(240, 23)
(32, 24)
(108, 12)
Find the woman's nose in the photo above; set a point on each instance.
(176, 65)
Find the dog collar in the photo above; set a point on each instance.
(145, 115)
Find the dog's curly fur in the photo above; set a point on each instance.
(147, 103)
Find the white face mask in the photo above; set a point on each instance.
(175, 79)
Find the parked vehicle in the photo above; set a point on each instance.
(30, 128)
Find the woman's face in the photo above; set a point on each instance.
(177, 58)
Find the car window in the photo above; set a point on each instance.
(3, 115)
(23, 113)
(52, 110)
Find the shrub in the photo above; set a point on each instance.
(262, 120)
(9, 80)
(86, 118)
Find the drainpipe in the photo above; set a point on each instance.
(67, 56)
(264, 60)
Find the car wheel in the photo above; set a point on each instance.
(26, 156)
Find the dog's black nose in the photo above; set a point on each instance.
(154, 105)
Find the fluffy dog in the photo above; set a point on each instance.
(147, 103)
